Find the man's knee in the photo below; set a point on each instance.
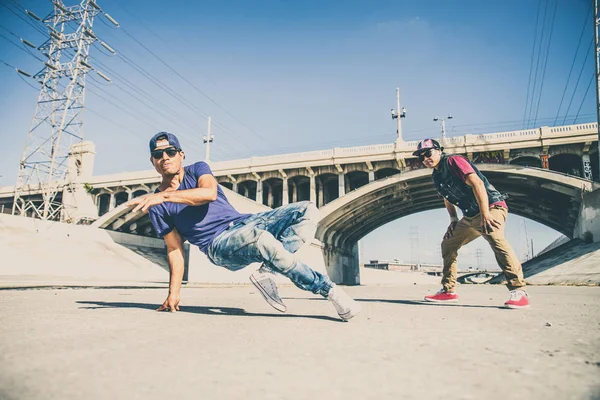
(272, 251)
(309, 209)
(449, 247)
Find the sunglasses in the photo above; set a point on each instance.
(171, 152)
(425, 154)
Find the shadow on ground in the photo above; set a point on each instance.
(216, 310)
(410, 303)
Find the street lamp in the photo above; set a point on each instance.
(443, 123)
(208, 140)
(401, 113)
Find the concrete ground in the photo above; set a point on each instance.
(227, 343)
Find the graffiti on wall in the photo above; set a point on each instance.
(544, 158)
(413, 163)
(489, 157)
(587, 167)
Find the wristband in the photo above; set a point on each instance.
(453, 219)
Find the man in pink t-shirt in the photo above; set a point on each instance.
(484, 210)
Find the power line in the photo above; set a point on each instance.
(226, 130)
(537, 66)
(37, 28)
(114, 123)
(7, 64)
(584, 96)
(194, 86)
(545, 62)
(578, 78)
(20, 48)
(531, 62)
(159, 37)
(574, 58)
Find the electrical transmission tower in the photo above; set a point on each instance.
(414, 245)
(58, 120)
(479, 255)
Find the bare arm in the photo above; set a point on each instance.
(488, 223)
(204, 193)
(174, 244)
(451, 208)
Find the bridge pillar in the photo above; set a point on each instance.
(320, 192)
(285, 197)
(587, 226)
(294, 192)
(342, 264)
(76, 198)
(371, 176)
(259, 196)
(269, 194)
(341, 184)
(313, 189)
(544, 157)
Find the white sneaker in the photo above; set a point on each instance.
(345, 306)
(264, 282)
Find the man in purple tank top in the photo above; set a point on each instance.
(190, 205)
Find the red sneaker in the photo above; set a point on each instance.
(442, 297)
(518, 299)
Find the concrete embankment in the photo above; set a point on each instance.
(573, 263)
(33, 250)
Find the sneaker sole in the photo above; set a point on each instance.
(514, 307)
(265, 295)
(349, 315)
(441, 301)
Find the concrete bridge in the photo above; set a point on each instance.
(325, 175)
(547, 173)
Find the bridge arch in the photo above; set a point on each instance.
(327, 188)
(550, 198)
(527, 161)
(298, 188)
(567, 163)
(247, 188)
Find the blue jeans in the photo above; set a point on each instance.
(272, 237)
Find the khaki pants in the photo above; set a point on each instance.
(469, 229)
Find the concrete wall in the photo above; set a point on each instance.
(588, 224)
(34, 249)
(59, 252)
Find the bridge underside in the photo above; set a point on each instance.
(540, 197)
(550, 198)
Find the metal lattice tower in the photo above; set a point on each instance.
(414, 245)
(479, 255)
(58, 120)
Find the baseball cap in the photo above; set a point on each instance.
(173, 141)
(427, 144)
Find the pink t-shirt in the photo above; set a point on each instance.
(460, 166)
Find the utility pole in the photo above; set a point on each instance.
(58, 120)
(398, 115)
(208, 140)
(597, 50)
(435, 119)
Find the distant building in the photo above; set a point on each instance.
(394, 265)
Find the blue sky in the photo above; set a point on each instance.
(284, 76)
